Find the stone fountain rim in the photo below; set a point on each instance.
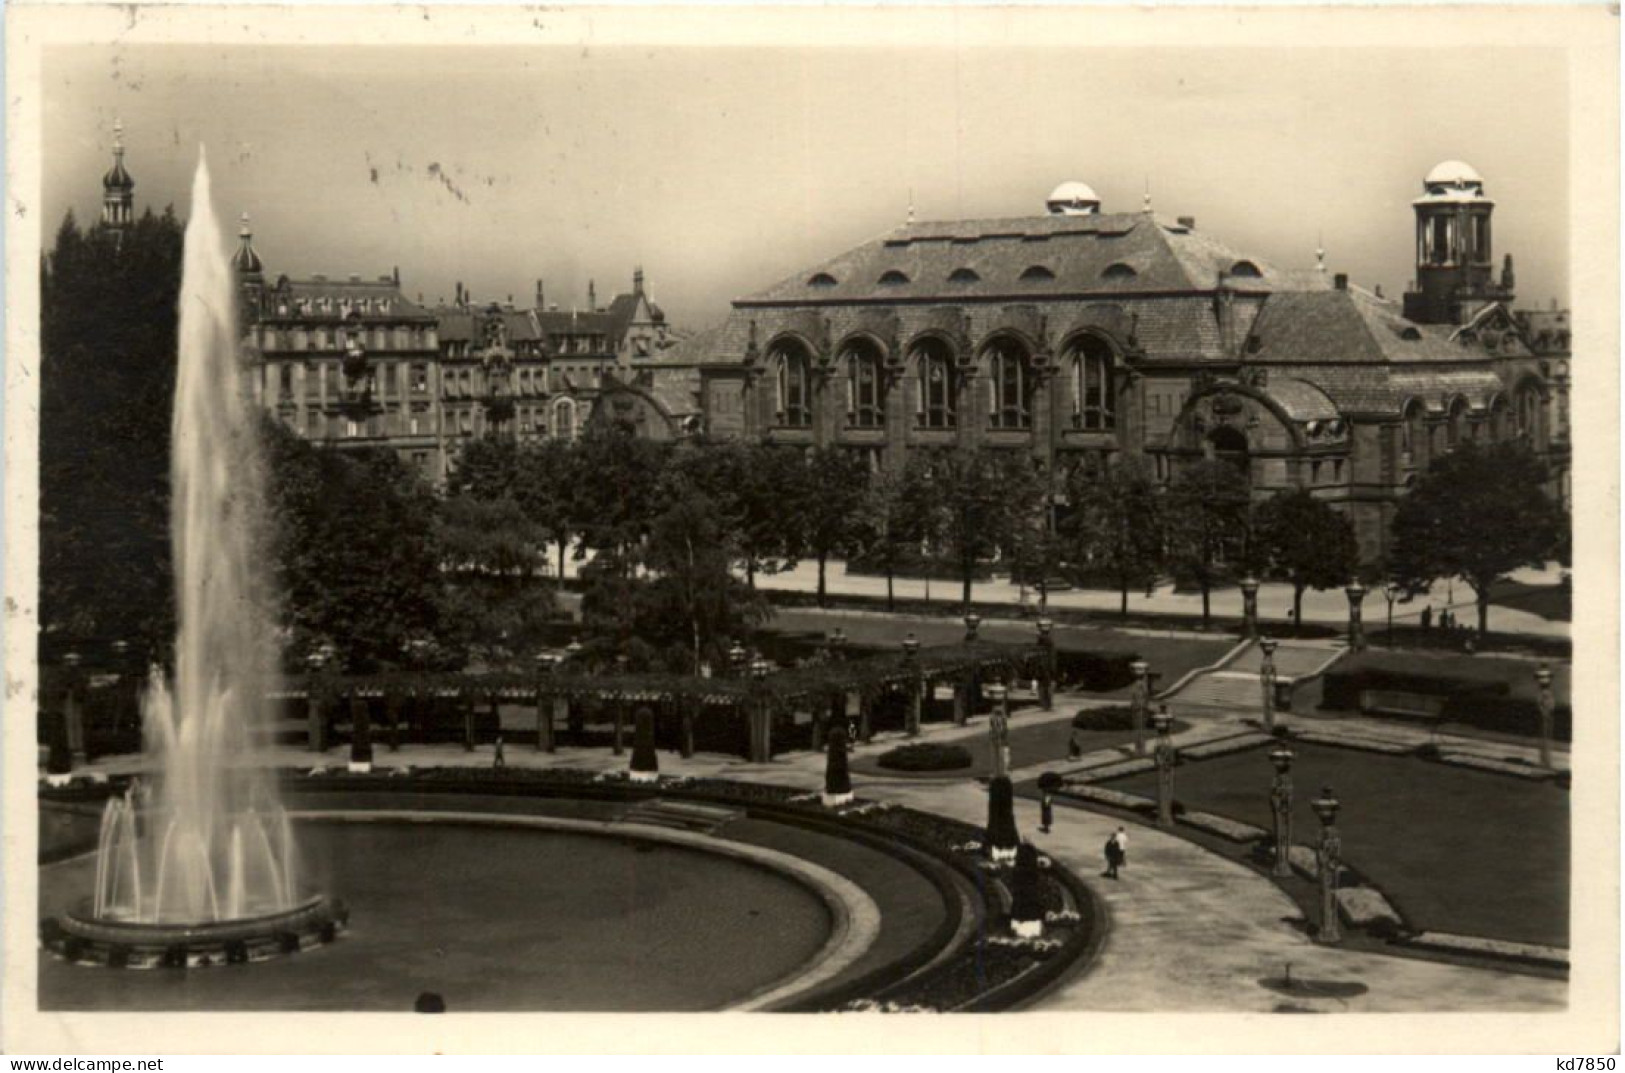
(313, 911)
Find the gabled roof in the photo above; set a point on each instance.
(1038, 256)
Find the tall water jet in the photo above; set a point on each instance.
(203, 857)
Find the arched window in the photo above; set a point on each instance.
(1037, 274)
(1093, 391)
(1528, 413)
(564, 419)
(1118, 270)
(1011, 377)
(1246, 269)
(1412, 435)
(937, 405)
(1230, 445)
(892, 277)
(963, 275)
(1455, 423)
(1499, 412)
(865, 391)
(821, 279)
(795, 389)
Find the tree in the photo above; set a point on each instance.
(548, 488)
(1031, 543)
(967, 491)
(617, 481)
(1116, 526)
(486, 468)
(490, 553)
(352, 548)
(1306, 543)
(888, 533)
(1478, 513)
(108, 322)
(1208, 513)
(834, 489)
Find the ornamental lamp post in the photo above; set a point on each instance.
(1391, 592)
(1281, 808)
(761, 740)
(73, 716)
(736, 659)
(1548, 710)
(973, 622)
(916, 685)
(1249, 607)
(1330, 860)
(1139, 701)
(1165, 757)
(1356, 594)
(1046, 651)
(1266, 679)
(999, 727)
(315, 736)
(837, 643)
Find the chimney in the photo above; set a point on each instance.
(459, 299)
(637, 281)
(1188, 223)
(554, 308)
(509, 306)
(396, 272)
(1341, 281)
(540, 305)
(1378, 291)
(592, 297)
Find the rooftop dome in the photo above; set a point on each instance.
(117, 178)
(1453, 173)
(1073, 198)
(245, 260)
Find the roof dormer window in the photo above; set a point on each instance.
(1119, 270)
(821, 279)
(1037, 274)
(1246, 269)
(963, 275)
(892, 277)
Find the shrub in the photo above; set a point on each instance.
(837, 780)
(1051, 781)
(1340, 690)
(1001, 817)
(1508, 715)
(1114, 717)
(1097, 672)
(926, 756)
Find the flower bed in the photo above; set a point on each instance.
(926, 756)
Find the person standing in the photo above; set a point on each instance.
(1116, 853)
(497, 759)
(1427, 618)
(1046, 811)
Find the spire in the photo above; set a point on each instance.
(1320, 253)
(637, 281)
(592, 296)
(246, 261)
(118, 189)
(1508, 279)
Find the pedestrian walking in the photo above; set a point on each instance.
(1074, 748)
(1046, 811)
(1116, 853)
(1427, 617)
(497, 759)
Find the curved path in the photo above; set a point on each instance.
(1189, 930)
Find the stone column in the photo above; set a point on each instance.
(618, 742)
(1548, 711)
(961, 703)
(1249, 607)
(316, 736)
(866, 732)
(1139, 701)
(1356, 594)
(1266, 678)
(686, 716)
(1281, 809)
(1329, 858)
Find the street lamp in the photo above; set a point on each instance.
(1266, 678)
(1548, 709)
(1046, 679)
(761, 742)
(973, 622)
(916, 685)
(1165, 756)
(1139, 701)
(1249, 607)
(1281, 808)
(1330, 860)
(999, 727)
(736, 659)
(1356, 593)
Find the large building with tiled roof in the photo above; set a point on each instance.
(1080, 335)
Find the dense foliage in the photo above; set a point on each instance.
(108, 321)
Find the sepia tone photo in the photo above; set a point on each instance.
(916, 513)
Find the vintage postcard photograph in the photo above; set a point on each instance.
(909, 528)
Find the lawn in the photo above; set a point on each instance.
(1171, 657)
(1032, 744)
(1454, 850)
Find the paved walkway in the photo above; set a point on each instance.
(1189, 930)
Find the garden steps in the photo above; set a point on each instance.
(681, 815)
(1234, 685)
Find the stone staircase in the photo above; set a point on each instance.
(681, 815)
(1234, 686)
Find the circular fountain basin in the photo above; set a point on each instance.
(129, 944)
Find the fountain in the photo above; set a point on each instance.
(199, 865)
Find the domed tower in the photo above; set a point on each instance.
(250, 272)
(1454, 256)
(1073, 198)
(118, 189)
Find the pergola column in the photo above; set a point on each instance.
(618, 742)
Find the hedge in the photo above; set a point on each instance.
(1508, 715)
(1115, 717)
(1340, 690)
(926, 756)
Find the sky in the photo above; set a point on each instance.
(723, 170)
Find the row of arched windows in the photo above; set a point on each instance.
(1519, 419)
(1089, 363)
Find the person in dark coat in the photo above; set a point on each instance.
(1046, 811)
(1116, 852)
(1427, 617)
